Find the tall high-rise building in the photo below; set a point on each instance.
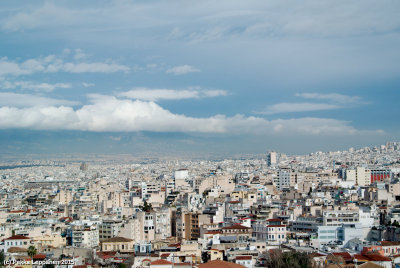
(271, 159)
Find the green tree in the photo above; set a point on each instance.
(2, 258)
(146, 207)
(279, 259)
(32, 252)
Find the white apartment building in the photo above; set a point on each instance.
(338, 217)
(85, 236)
(282, 180)
(16, 241)
(109, 229)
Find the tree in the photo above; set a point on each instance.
(146, 207)
(32, 251)
(280, 259)
(2, 258)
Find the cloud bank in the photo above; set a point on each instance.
(110, 114)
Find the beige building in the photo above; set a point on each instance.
(241, 232)
(140, 229)
(49, 241)
(120, 244)
(216, 254)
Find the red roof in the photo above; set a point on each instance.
(161, 262)
(39, 256)
(177, 245)
(17, 237)
(212, 232)
(360, 257)
(345, 255)
(17, 211)
(377, 257)
(220, 264)
(274, 220)
(390, 243)
(239, 258)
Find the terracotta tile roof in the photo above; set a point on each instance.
(274, 220)
(377, 257)
(345, 255)
(17, 237)
(39, 256)
(16, 250)
(161, 262)
(241, 258)
(389, 243)
(220, 264)
(361, 258)
(212, 232)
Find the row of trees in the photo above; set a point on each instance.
(291, 259)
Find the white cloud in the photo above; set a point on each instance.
(286, 107)
(12, 100)
(52, 63)
(46, 87)
(79, 54)
(106, 113)
(333, 97)
(170, 94)
(333, 101)
(88, 84)
(181, 70)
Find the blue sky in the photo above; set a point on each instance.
(198, 76)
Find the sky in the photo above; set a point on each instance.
(176, 76)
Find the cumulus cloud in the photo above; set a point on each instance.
(10, 99)
(170, 94)
(181, 70)
(52, 64)
(46, 87)
(287, 107)
(105, 113)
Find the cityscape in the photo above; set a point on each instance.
(323, 209)
(199, 134)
